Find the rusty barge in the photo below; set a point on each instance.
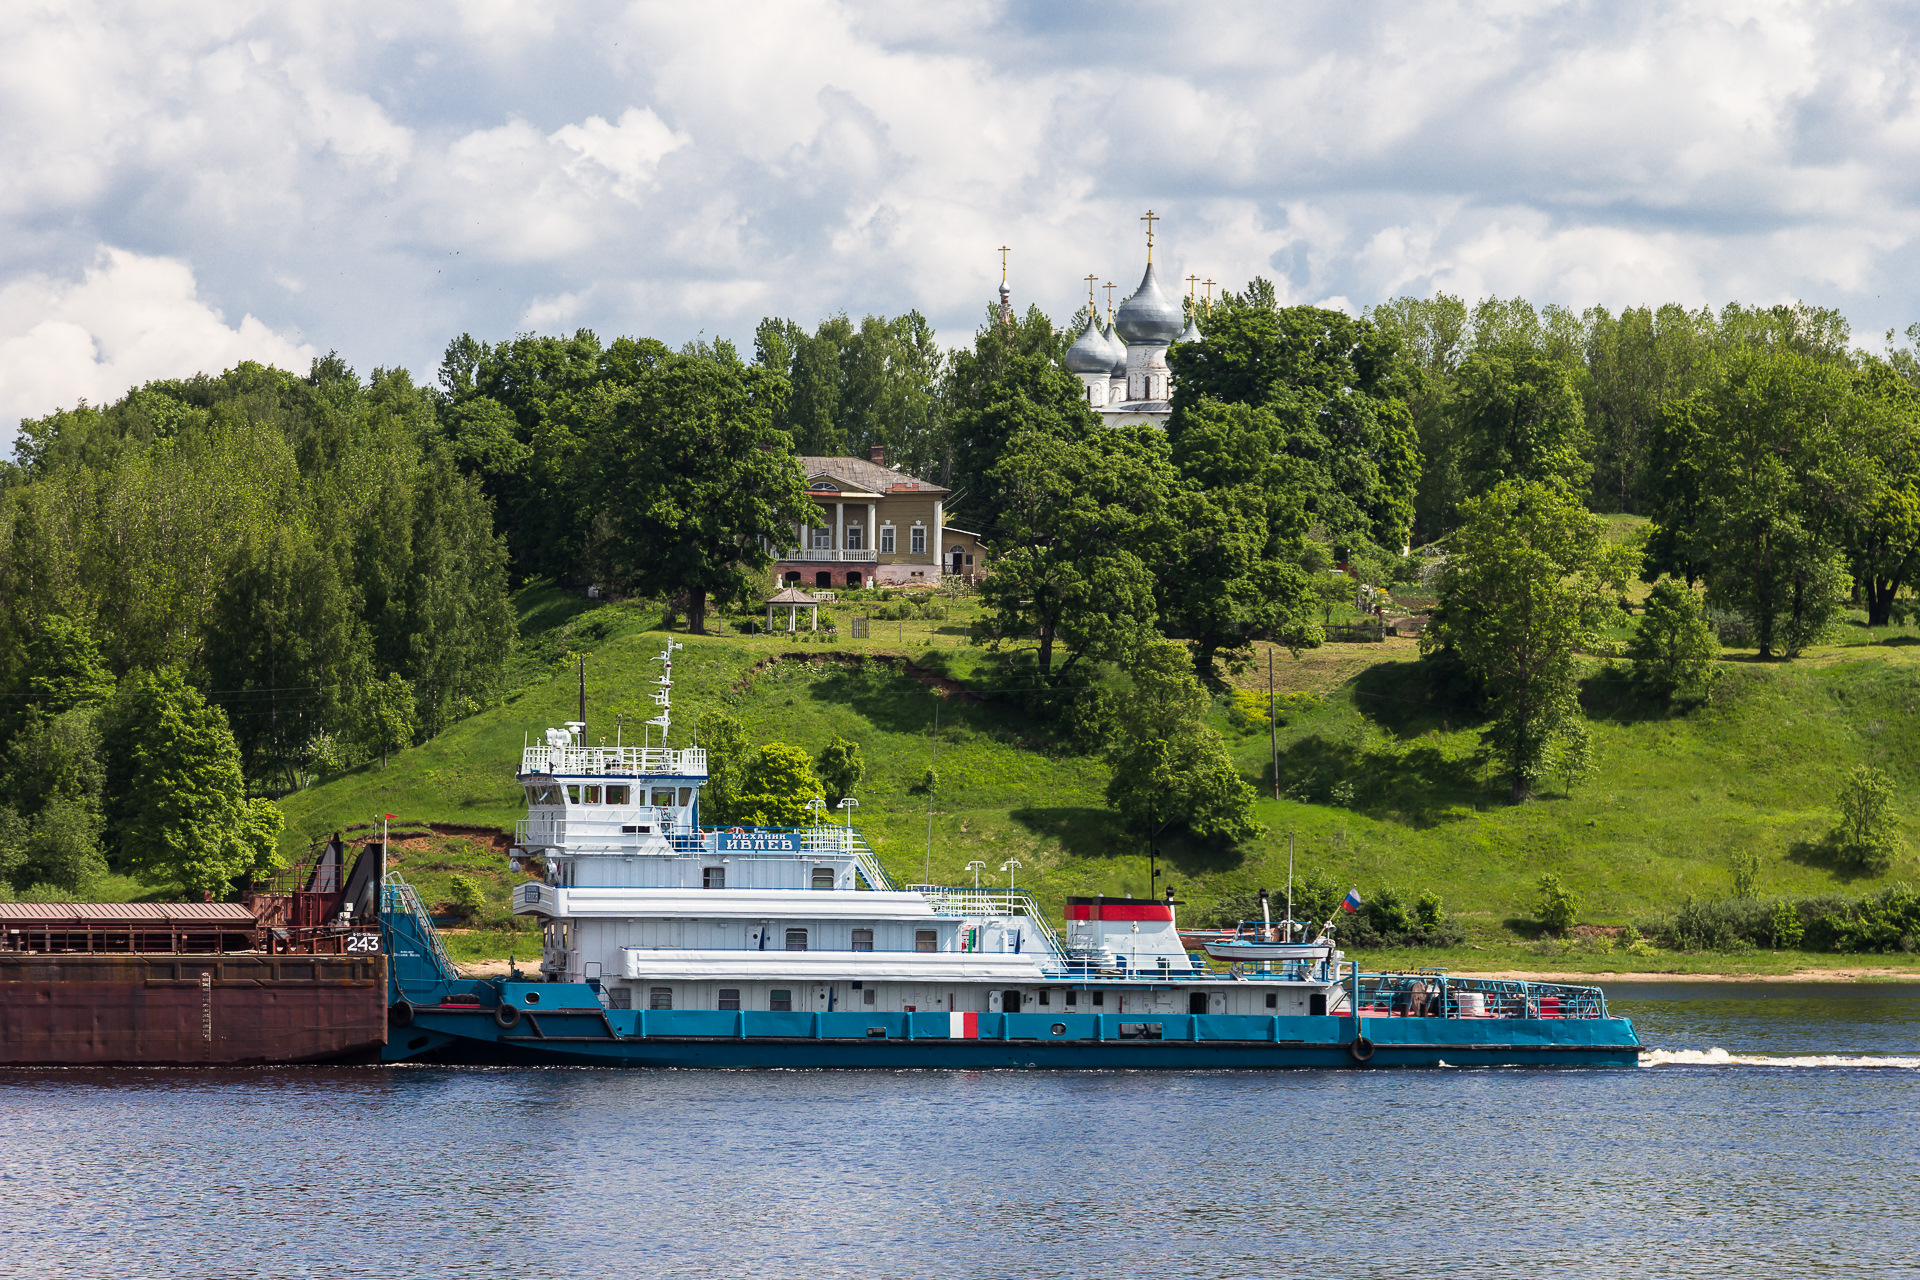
(293, 973)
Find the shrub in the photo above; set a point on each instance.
(1673, 648)
(466, 897)
(1558, 905)
(1865, 836)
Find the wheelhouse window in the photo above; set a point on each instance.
(823, 877)
(926, 940)
(796, 939)
(713, 877)
(573, 793)
(918, 540)
(780, 1001)
(619, 795)
(863, 939)
(660, 998)
(729, 1000)
(663, 797)
(886, 540)
(591, 796)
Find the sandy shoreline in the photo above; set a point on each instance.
(1804, 975)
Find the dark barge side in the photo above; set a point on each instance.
(282, 978)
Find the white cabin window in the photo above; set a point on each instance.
(713, 877)
(592, 795)
(619, 795)
(779, 1001)
(663, 797)
(823, 877)
(863, 940)
(660, 998)
(925, 940)
(729, 1000)
(686, 796)
(918, 542)
(886, 539)
(796, 939)
(867, 997)
(619, 997)
(573, 793)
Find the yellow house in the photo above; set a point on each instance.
(875, 525)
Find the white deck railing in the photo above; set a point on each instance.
(682, 762)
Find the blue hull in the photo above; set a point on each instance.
(589, 1037)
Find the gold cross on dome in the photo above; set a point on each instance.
(1192, 281)
(1090, 305)
(1209, 285)
(1109, 288)
(1150, 218)
(1003, 264)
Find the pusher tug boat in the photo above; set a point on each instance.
(670, 944)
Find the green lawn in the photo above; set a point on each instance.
(1382, 777)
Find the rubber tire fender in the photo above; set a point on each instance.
(400, 1013)
(506, 1017)
(1360, 1049)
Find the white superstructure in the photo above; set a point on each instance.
(656, 911)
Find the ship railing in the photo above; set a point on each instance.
(957, 900)
(1432, 993)
(399, 898)
(683, 762)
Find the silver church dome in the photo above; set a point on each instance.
(1117, 349)
(1090, 354)
(1149, 316)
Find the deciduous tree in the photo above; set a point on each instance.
(1530, 579)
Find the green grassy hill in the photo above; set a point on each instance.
(1382, 778)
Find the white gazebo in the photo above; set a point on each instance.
(793, 600)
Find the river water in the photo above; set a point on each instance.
(1772, 1131)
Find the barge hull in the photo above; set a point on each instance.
(188, 1010)
(589, 1036)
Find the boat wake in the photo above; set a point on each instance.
(1718, 1057)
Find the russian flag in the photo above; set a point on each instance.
(1352, 901)
(963, 1026)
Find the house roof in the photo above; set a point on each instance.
(866, 476)
(954, 528)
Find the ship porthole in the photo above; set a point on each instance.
(1058, 1028)
(532, 997)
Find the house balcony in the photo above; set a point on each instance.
(828, 556)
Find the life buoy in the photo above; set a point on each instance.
(400, 1013)
(506, 1017)
(1360, 1049)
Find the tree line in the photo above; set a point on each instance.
(325, 560)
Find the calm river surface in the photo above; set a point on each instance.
(1775, 1132)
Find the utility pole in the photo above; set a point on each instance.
(933, 773)
(1273, 729)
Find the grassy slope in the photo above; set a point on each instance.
(1676, 796)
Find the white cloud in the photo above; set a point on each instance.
(386, 176)
(127, 320)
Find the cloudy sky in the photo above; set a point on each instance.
(187, 183)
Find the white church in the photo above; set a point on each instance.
(1123, 364)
